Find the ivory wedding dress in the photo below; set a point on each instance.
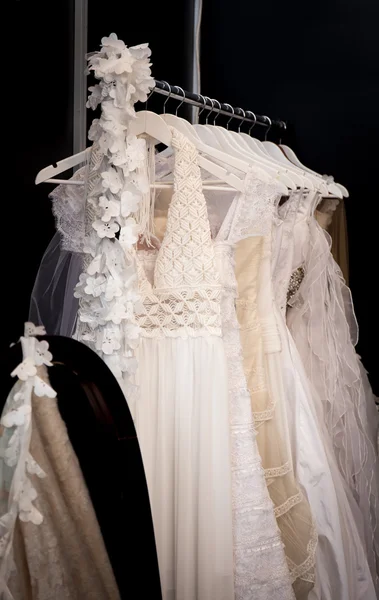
(333, 506)
(322, 321)
(291, 505)
(214, 522)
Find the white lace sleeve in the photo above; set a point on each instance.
(68, 206)
(254, 209)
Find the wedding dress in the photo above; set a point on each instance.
(56, 544)
(336, 514)
(292, 509)
(321, 319)
(224, 541)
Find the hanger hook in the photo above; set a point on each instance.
(168, 97)
(255, 120)
(212, 102)
(218, 111)
(232, 117)
(149, 96)
(180, 103)
(269, 125)
(283, 125)
(204, 104)
(244, 118)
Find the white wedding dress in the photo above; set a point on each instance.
(334, 509)
(322, 322)
(215, 529)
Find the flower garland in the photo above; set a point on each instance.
(18, 464)
(107, 289)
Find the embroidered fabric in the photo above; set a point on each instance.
(17, 492)
(184, 299)
(292, 509)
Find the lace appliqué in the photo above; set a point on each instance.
(294, 284)
(15, 436)
(261, 570)
(117, 186)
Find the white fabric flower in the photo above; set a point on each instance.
(136, 153)
(105, 229)
(110, 207)
(28, 512)
(42, 354)
(112, 181)
(95, 97)
(129, 232)
(112, 290)
(112, 44)
(33, 467)
(43, 389)
(95, 130)
(31, 330)
(116, 313)
(108, 341)
(96, 265)
(95, 285)
(16, 417)
(129, 203)
(24, 370)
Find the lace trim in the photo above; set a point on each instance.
(303, 571)
(254, 209)
(261, 570)
(68, 206)
(288, 504)
(278, 471)
(15, 438)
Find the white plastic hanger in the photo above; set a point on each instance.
(151, 124)
(47, 175)
(209, 144)
(293, 158)
(231, 142)
(289, 169)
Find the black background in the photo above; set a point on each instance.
(313, 64)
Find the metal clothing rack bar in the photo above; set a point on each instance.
(212, 105)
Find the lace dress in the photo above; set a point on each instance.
(322, 321)
(214, 522)
(291, 506)
(333, 506)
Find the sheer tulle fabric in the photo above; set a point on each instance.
(291, 507)
(321, 320)
(64, 556)
(52, 302)
(338, 519)
(182, 420)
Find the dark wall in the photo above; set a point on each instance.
(38, 110)
(316, 65)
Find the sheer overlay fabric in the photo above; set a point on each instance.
(64, 556)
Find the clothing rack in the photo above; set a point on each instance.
(211, 105)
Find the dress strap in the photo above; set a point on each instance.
(186, 257)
